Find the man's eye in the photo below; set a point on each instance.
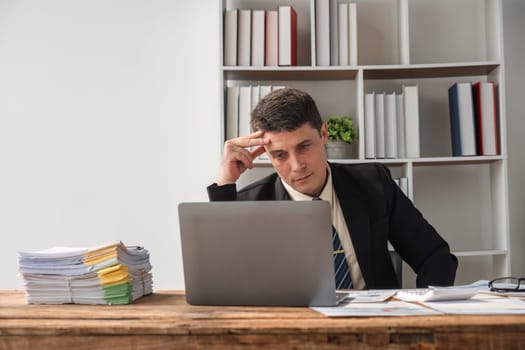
(304, 146)
(279, 155)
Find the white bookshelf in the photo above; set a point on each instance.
(432, 44)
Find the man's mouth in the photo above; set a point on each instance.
(303, 178)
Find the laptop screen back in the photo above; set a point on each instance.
(257, 253)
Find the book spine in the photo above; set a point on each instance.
(380, 124)
(287, 36)
(454, 120)
(322, 32)
(411, 105)
(370, 147)
(485, 115)
(258, 23)
(390, 126)
(245, 104)
(400, 120)
(352, 34)
(232, 112)
(272, 39)
(466, 119)
(343, 34)
(230, 37)
(244, 38)
(334, 31)
(404, 34)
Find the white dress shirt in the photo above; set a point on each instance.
(328, 194)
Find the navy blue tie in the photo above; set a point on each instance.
(342, 274)
(343, 280)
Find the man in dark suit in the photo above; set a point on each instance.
(368, 208)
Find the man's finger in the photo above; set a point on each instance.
(255, 139)
(257, 151)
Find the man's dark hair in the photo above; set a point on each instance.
(285, 110)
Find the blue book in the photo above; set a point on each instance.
(462, 120)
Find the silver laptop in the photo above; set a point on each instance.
(274, 253)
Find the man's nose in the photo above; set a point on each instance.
(297, 163)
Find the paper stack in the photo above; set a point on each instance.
(107, 274)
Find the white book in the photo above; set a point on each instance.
(255, 96)
(264, 90)
(244, 38)
(258, 22)
(343, 34)
(390, 126)
(245, 104)
(287, 36)
(400, 121)
(230, 37)
(411, 104)
(334, 33)
(370, 146)
(322, 32)
(272, 38)
(232, 112)
(404, 42)
(380, 124)
(352, 34)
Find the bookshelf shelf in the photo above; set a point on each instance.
(432, 45)
(289, 73)
(475, 253)
(437, 161)
(436, 70)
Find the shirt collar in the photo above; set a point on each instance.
(326, 193)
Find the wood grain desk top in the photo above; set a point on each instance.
(164, 319)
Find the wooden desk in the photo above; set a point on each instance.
(165, 320)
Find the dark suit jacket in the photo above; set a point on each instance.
(376, 211)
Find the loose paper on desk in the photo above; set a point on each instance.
(369, 296)
(481, 304)
(392, 308)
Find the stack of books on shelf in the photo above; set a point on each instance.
(240, 101)
(473, 119)
(335, 33)
(107, 274)
(260, 38)
(392, 124)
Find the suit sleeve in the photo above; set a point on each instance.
(416, 240)
(222, 193)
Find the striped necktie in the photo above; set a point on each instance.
(343, 280)
(342, 274)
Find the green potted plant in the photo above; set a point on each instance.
(341, 137)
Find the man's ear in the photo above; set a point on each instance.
(324, 133)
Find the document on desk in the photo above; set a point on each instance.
(481, 304)
(391, 308)
(368, 296)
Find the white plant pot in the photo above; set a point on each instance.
(340, 150)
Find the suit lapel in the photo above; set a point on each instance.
(280, 192)
(353, 205)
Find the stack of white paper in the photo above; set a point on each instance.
(108, 274)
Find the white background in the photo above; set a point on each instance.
(109, 117)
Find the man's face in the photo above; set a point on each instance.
(299, 157)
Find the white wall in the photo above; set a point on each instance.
(514, 30)
(109, 117)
